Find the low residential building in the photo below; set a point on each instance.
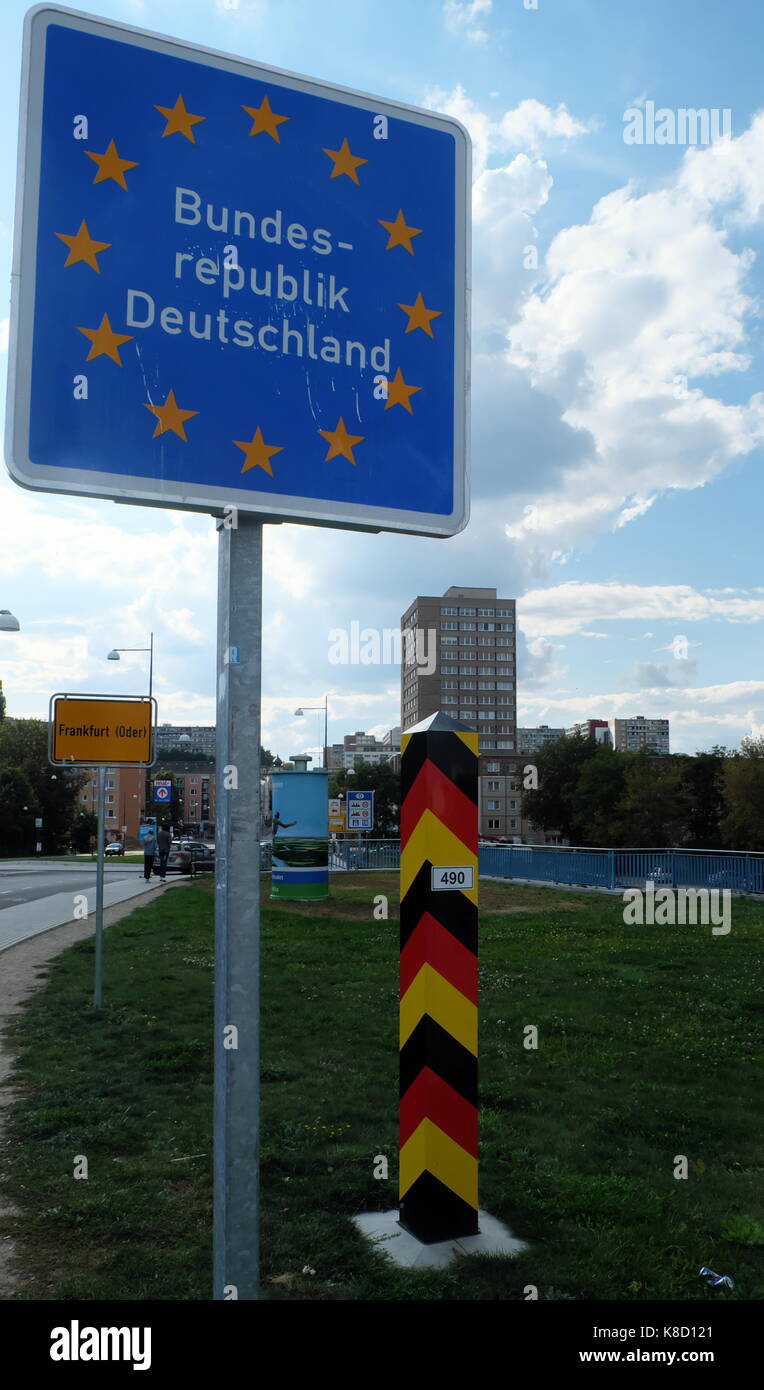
(361, 747)
(598, 729)
(531, 740)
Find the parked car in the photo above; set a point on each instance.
(114, 848)
(183, 853)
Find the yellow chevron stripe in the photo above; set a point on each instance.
(469, 740)
(430, 1150)
(404, 742)
(429, 993)
(434, 841)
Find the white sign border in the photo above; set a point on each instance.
(193, 496)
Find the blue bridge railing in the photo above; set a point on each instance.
(625, 868)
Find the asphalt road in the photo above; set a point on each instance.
(29, 883)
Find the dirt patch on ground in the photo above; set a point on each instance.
(22, 970)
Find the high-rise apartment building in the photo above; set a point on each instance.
(361, 747)
(632, 735)
(459, 656)
(598, 729)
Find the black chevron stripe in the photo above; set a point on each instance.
(431, 1046)
(431, 1211)
(454, 911)
(448, 753)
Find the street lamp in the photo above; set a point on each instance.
(114, 654)
(325, 708)
(8, 621)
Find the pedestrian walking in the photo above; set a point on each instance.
(164, 841)
(149, 854)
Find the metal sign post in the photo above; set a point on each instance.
(98, 991)
(236, 1116)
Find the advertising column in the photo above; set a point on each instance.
(299, 859)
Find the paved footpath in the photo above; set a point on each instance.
(23, 920)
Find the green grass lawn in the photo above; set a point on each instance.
(650, 1046)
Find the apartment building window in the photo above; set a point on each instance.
(467, 627)
(505, 729)
(450, 670)
(504, 613)
(485, 670)
(487, 714)
(504, 642)
(467, 713)
(488, 685)
(492, 767)
(505, 670)
(466, 670)
(513, 825)
(449, 641)
(485, 641)
(494, 786)
(505, 685)
(466, 641)
(448, 612)
(449, 700)
(503, 743)
(449, 685)
(493, 825)
(504, 700)
(109, 783)
(486, 627)
(486, 700)
(492, 805)
(513, 805)
(110, 796)
(468, 685)
(505, 627)
(466, 612)
(485, 612)
(448, 627)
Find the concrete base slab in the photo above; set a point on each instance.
(387, 1234)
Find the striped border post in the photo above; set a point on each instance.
(439, 966)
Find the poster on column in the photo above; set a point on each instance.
(299, 855)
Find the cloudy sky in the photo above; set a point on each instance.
(617, 402)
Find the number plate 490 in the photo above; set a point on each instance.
(452, 877)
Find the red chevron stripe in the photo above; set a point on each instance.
(431, 1098)
(432, 943)
(435, 792)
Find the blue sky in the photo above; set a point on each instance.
(617, 410)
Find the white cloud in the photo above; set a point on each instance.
(568, 608)
(531, 123)
(643, 299)
(463, 17)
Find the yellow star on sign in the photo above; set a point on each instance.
(400, 232)
(110, 166)
(264, 120)
(82, 247)
(171, 417)
(257, 453)
(104, 341)
(419, 315)
(179, 120)
(340, 442)
(398, 392)
(345, 162)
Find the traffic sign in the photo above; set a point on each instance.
(163, 790)
(236, 287)
(360, 810)
(336, 814)
(101, 731)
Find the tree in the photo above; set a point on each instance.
(552, 806)
(266, 758)
(703, 794)
(386, 785)
(2, 703)
(51, 794)
(84, 830)
(649, 814)
(600, 787)
(742, 826)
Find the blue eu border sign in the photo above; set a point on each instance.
(235, 287)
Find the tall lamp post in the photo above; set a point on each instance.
(325, 708)
(114, 655)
